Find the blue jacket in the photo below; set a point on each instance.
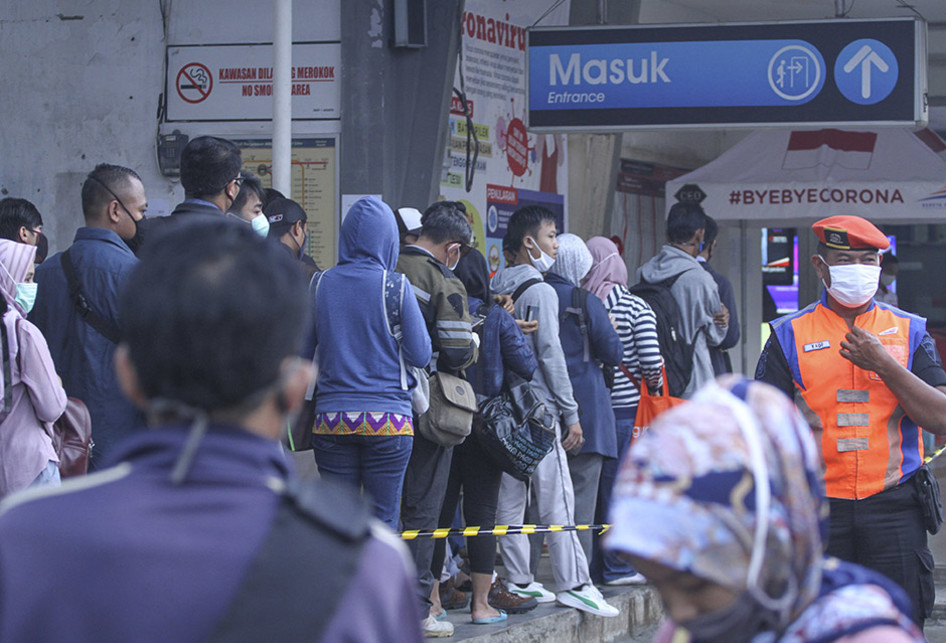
(503, 347)
(718, 355)
(359, 368)
(84, 358)
(150, 561)
(593, 397)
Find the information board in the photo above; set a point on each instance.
(314, 178)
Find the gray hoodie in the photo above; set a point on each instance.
(698, 298)
(551, 378)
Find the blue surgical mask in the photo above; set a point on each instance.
(260, 225)
(26, 296)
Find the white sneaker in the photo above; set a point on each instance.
(587, 599)
(532, 590)
(635, 579)
(434, 629)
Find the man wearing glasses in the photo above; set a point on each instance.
(210, 175)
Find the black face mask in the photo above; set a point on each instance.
(42, 248)
(134, 244)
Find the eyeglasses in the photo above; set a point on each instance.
(239, 180)
(464, 248)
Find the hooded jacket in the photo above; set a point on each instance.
(359, 368)
(37, 398)
(698, 299)
(551, 378)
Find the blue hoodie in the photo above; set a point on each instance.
(358, 358)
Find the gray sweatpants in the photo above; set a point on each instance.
(556, 499)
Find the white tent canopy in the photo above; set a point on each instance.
(778, 175)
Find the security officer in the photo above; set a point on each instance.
(866, 375)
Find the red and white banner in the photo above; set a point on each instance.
(828, 147)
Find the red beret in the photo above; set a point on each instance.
(849, 232)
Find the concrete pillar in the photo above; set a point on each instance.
(594, 159)
(396, 103)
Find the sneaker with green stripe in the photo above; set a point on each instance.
(533, 590)
(588, 599)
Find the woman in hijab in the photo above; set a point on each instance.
(502, 347)
(590, 344)
(637, 328)
(721, 506)
(33, 397)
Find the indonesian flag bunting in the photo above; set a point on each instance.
(829, 147)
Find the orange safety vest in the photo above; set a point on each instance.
(867, 441)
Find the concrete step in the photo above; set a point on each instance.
(640, 607)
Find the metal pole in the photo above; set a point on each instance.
(282, 97)
(602, 12)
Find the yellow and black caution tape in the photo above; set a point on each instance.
(499, 530)
(935, 455)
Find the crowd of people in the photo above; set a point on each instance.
(215, 326)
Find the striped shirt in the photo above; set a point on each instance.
(637, 328)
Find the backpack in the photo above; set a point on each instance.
(676, 349)
(393, 297)
(579, 309)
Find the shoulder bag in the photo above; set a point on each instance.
(515, 428)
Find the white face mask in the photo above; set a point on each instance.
(544, 262)
(260, 224)
(455, 263)
(852, 285)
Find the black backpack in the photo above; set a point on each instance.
(676, 350)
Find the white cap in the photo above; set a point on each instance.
(410, 218)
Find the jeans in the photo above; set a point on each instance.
(607, 566)
(373, 463)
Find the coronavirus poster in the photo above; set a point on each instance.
(503, 167)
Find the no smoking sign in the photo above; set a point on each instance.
(194, 82)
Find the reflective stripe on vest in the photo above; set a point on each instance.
(867, 441)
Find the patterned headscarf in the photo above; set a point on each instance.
(727, 487)
(15, 261)
(608, 269)
(573, 260)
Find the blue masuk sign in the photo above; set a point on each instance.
(796, 73)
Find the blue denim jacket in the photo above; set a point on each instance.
(83, 357)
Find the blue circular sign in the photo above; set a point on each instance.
(866, 71)
(796, 72)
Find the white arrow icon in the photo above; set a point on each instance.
(865, 57)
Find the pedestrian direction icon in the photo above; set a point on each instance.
(795, 72)
(866, 71)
